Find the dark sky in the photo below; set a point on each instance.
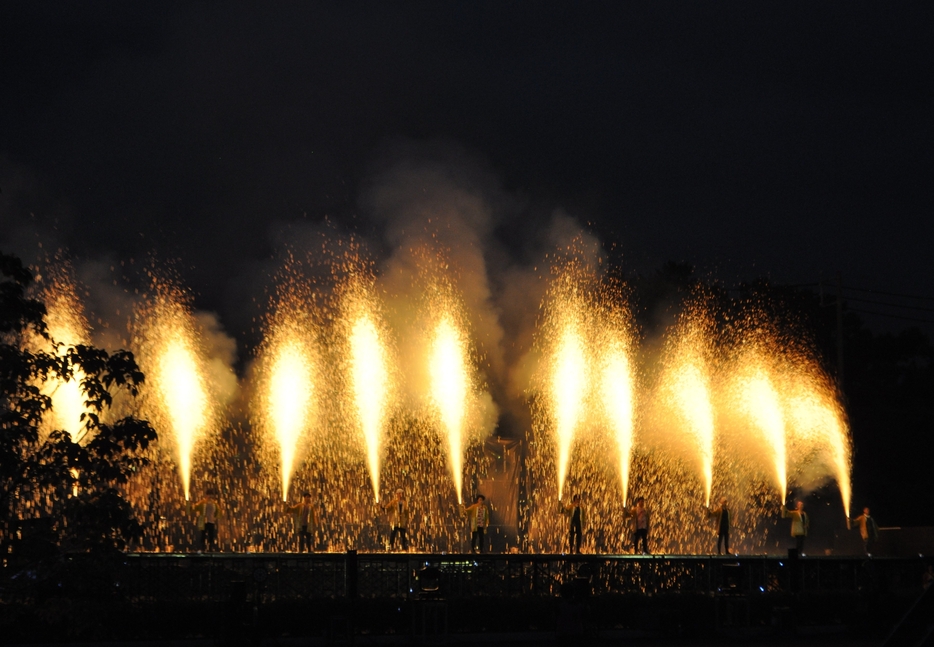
(787, 139)
(793, 140)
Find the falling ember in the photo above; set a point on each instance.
(568, 390)
(688, 392)
(289, 398)
(370, 379)
(450, 386)
(761, 403)
(617, 391)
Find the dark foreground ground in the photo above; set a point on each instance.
(376, 599)
(528, 640)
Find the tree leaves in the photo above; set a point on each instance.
(55, 491)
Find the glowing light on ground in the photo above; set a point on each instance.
(450, 388)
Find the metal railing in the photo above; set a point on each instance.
(278, 577)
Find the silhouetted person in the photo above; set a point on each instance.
(479, 515)
(208, 515)
(576, 522)
(799, 524)
(304, 520)
(399, 520)
(868, 530)
(722, 514)
(640, 520)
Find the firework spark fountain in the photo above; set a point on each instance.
(368, 363)
(820, 429)
(288, 362)
(617, 389)
(686, 389)
(290, 392)
(450, 388)
(183, 394)
(586, 345)
(170, 352)
(565, 379)
(772, 398)
(760, 402)
(445, 376)
(569, 379)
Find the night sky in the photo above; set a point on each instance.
(787, 140)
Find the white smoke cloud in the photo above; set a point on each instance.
(221, 351)
(108, 301)
(440, 197)
(524, 287)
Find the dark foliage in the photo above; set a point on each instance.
(57, 495)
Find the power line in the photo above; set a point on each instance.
(891, 305)
(891, 294)
(891, 316)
